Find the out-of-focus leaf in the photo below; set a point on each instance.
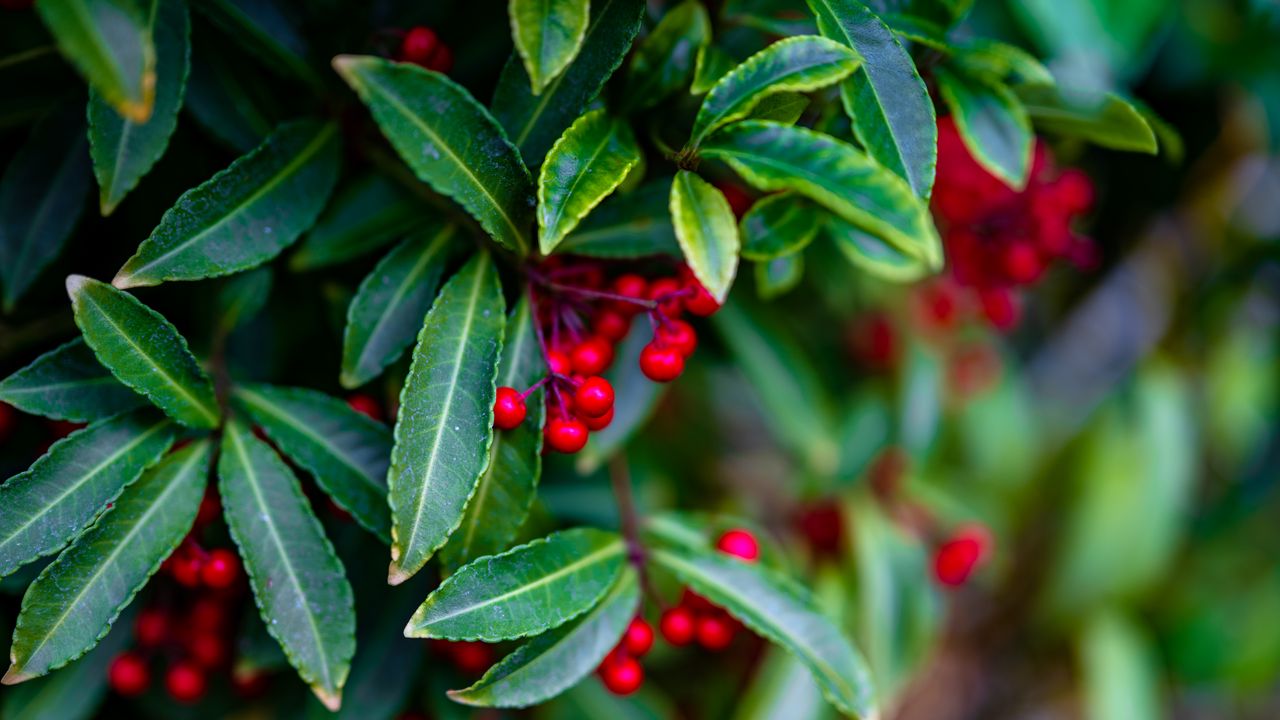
(779, 225)
(243, 296)
(711, 64)
(707, 232)
(779, 276)
(68, 383)
(231, 100)
(992, 122)
(783, 687)
(109, 42)
(874, 255)
(548, 34)
(1103, 119)
(1004, 61)
(663, 61)
(920, 401)
(587, 163)
(371, 211)
(1120, 670)
(267, 32)
(629, 225)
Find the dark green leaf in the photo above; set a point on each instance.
(68, 383)
(783, 107)
(587, 163)
(663, 62)
(1104, 119)
(109, 43)
(992, 122)
(779, 276)
(628, 225)
(706, 230)
(712, 64)
(366, 214)
(231, 100)
(779, 225)
(266, 31)
(872, 254)
(548, 35)
(243, 296)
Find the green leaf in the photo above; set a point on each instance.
(445, 426)
(992, 122)
(297, 580)
(711, 64)
(122, 150)
(345, 451)
(42, 194)
(525, 591)
(1104, 119)
(587, 163)
(552, 663)
(244, 215)
(533, 122)
(778, 610)
(1003, 61)
(1122, 674)
(267, 32)
(68, 383)
(663, 62)
(241, 297)
(886, 99)
(74, 601)
(386, 312)
(772, 156)
(706, 230)
(506, 489)
(629, 225)
(228, 97)
(366, 214)
(110, 44)
(779, 276)
(548, 35)
(779, 225)
(144, 351)
(48, 505)
(783, 107)
(872, 254)
(797, 64)
(452, 143)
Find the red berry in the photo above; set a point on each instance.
(186, 682)
(631, 286)
(592, 356)
(418, 45)
(558, 363)
(1000, 306)
(679, 335)
(875, 341)
(595, 424)
(666, 292)
(611, 325)
(938, 306)
(566, 435)
(638, 638)
(508, 409)
(700, 302)
(365, 405)
(593, 398)
(208, 614)
(715, 631)
(185, 567)
(209, 650)
(660, 363)
(972, 370)
(1021, 263)
(441, 60)
(739, 543)
(8, 420)
(678, 626)
(622, 675)
(62, 428)
(1075, 191)
(152, 627)
(957, 557)
(210, 509)
(823, 527)
(739, 201)
(471, 657)
(128, 674)
(220, 569)
(696, 602)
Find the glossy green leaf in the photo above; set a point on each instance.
(706, 230)
(992, 122)
(386, 312)
(552, 663)
(449, 140)
(796, 64)
(711, 64)
(506, 489)
(779, 610)
(244, 215)
(663, 62)
(109, 42)
(548, 34)
(779, 276)
(42, 194)
(75, 692)
(242, 297)
(298, 582)
(533, 122)
(1103, 119)
(445, 427)
(143, 351)
(772, 156)
(525, 591)
(122, 150)
(48, 505)
(779, 225)
(73, 602)
(587, 163)
(629, 225)
(68, 383)
(365, 215)
(783, 107)
(872, 254)
(345, 451)
(887, 101)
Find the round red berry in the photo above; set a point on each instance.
(957, 557)
(739, 201)
(700, 302)
(875, 341)
(1000, 306)
(185, 682)
(696, 602)
(666, 292)
(611, 325)
(441, 60)
(508, 409)
(210, 509)
(595, 424)
(152, 627)
(622, 675)
(418, 45)
(660, 363)
(638, 638)
(365, 405)
(822, 526)
(592, 356)
(1021, 262)
(631, 286)
(558, 363)
(471, 657)
(593, 398)
(715, 631)
(220, 569)
(566, 435)
(8, 420)
(678, 626)
(209, 650)
(184, 567)
(128, 674)
(739, 543)
(679, 335)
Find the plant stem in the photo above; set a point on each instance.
(620, 479)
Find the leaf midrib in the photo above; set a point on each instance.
(743, 105)
(584, 171)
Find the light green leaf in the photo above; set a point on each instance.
(525, 591)
(783, 107)
(1104, 119)
(872, 254)
(797, 64)
(366, 214)
(552, 663)
(706, 230)
(244, 215)
(548, 35)
(68, 383)
(629, 225)
(143, 351)
(241, 297)
(587, 163)
(46, 506)
(449, 140)
(386, 312)
(1120, 668)
(779, 276)
(74, 601)
(663, 62)
(445, 426)
(122, 150)
(711, 64)
(779, 225)
(298, 582)
(345, 451)
(992, 122)
(109, 42)
(779, 610)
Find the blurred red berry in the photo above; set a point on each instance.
(638, 638)
(442, 59)
(666, 292)
(207, 614)
(185, 682)
(558, 363)
(221, 569)
(739, 201)
(716, 631)
(471, 657)
(365, 405)
(129, 675)
(418, 45)
(631, 286)
(8, 420)
(1000, 306)
(957, 557)
(699, 301)
(508, 409)
(185, 566)
(622, 675)
(875, 341)
(152, 627)
(209, 650)
(595, 424)
(822, 527)
(678, 625)
(740, 544)
(611, 325)
(592, 356)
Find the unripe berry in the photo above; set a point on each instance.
(185, 682)
(152, 627)
(660, 363)
(418, 45)
(679, 335)
(622, 675)
(128, 674)
(595, 424)
(365, 405)
(715, 631)
(558, 363)
(638, 638)
(739, 543)
(566, 435)
(593, 398)
(957, 557)
(700, 302)
(611, 325)
(508, 409)
(678, 626)
(665, 292)
(592, 356)
(220, 569)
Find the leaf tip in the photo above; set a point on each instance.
(76, 283)
(123, 280)
(332, 701)
(344, 65)
(397, 575)
(15, 675)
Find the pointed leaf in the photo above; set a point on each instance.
(552, 663)
(507, 488)
(452, 143)
(779, 225)
(797, 64)
(143, 351)
(780, 611)
(244, 215)
(110, 44)
(706, 230)
(525, 591)
(297, 580)
(46, 506)
(1103, 119)
(628, 225)
(74, 601)
(68, 383)
(872, 254)
(366, 214)
(548, 35)
(345, 451)
(663, 62)
(587, 163)
(711, 65)
(779, 276)
(445, 425)
(122, 150)
(992, 122)
(386, 312)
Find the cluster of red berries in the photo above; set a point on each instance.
(192, 566)
(959, 555)
(471, 657)
(582, 314)
(421, 46)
